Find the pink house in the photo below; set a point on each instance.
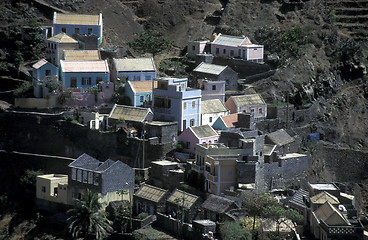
(233, 46)
(192, 136)
(250, 103)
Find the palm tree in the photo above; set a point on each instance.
(88, 218)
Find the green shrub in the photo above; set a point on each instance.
(25, 89)
(142, 216)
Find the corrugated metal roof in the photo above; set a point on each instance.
(332, 216)
(76, 19)
(249, 99)
(232, 41)
(209, 68)
(151, 193)
(62, 38)
(298, 198)
(218, 204)
(129, 113)
(323, 197)
(212, 106)
(81, 55)
(142, 86)
(84, 66)
(39, 64)
(134, 64)
(204, 131)
(183, 199)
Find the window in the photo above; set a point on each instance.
(141, 98)
(192, 121)
(99, 79)
(76, 30)
(231, 52)
(79, 175)
(85, 176)
(95, 179)
(47, 72)
(185, 105)
(252, 111)
(193, 104)
(137, 78)
(89, 31)
(217, 50)
(147, 77)
(184, 124)
(43, 189)
(73, 82)
(79, 196)
(193, 48)
(90, 177)
(210, 120)
(74, 174)
(213, 87)
(55, 191)
(260, 110)
(86, 81)
(63, 30)
(224, 51)
(239, 52)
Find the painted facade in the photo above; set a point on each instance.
(52, 187)
(196, 47)
(211, 110)
(251, 103)
(192, 136)
(139, 92)
(41, 71)
(240, 47)
(78, 24)
(212, 90)
(56, 45)
(134, 69)
(174, 101)
(84, 74)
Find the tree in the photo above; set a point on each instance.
(280, 215)
(88, 219)
(234, 231)
(254, 203)
(150, 42)
(122, 217)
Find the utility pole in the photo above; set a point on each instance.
(143, 137)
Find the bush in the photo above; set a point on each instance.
(234, 231)
(25, 89)
(142, 216)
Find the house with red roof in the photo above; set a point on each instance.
(226, 122)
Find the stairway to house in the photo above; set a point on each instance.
(351, 16)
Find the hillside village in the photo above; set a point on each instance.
(185, 153)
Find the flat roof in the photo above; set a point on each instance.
(323, 186)
(165, 163)
(292, 155)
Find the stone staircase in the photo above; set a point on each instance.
(351, 16)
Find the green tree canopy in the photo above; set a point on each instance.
(87, 218)
(280, 215)
(150, 42)
(234, 231)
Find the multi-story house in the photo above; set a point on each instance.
(197, 135)
(217, 73)
(196, 47)
(134, 69)
(140, 92)
(57, 44)
(249, 103)
(233, 46)
(174, 101)
(81, 75)
(211, 110)
(43, 71)
(212, 89)
(78, 24)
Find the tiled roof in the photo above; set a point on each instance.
(230, 120)
(232, 41)
(209, 68)
(99, 66)
(81, 55)
(330, 215)
(297, 199)
(218, 204)
(85, 161)
(134, 64)
(129, 113)
(62, 38)
(323, 197)
(204, 131)
(249, 99)
(268, 149)
(39, 64)
(151, 193)
(76, 19)
(183, 199)
(142, 86)
(212, 106)
(280, 137)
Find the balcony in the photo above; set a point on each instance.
(211, 178)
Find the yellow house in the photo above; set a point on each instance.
(220, 173)
(52, 187)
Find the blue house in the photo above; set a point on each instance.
(84, 74)
(78, 24)
(174, 101)
(134, 69)
(43, 71)
(139, 92)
